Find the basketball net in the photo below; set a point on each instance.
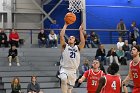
(75, 6)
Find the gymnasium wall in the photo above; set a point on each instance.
(105, 14)
(59, 14)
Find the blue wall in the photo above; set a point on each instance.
(105, 14)
(59, 14)
(101, 14)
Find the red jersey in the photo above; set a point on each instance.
(135, 71)
(112, 85)
(13, 35)
(93, 79)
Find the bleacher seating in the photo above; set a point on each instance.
(40, 62)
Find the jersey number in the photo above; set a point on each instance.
(72, 54)
(94, 83)
(113, 85)
(135, 75)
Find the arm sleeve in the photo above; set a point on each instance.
(9, 52)
(55, 36)
(38, 88)
(50, 38)
(28, 88)
(38, 35)
(5, 37)
(13, 89)
(17, 36)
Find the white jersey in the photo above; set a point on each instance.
(70, 57)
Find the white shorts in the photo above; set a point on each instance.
(71, 75)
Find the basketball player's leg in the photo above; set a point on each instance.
(71, 80)
(64, 82)
(70, 89)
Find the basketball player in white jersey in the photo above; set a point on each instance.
(70, 59)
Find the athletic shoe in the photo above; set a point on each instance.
(18, 64)
(10, 64)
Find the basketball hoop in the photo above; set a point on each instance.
(75, 6)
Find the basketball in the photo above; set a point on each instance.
(70, 18)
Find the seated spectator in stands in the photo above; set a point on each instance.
(94, 40)
(84, 68)
(33, 86)
(121, 56)
(14, 38)
(13, 54)
(101, 54)
(121, 28)
(3, 38)
(52, 39)
(112, 56)
(126, 49)
(134, 32)
(54, 25)
(86, 40)
(15, 85)
(120, 42)
(42, 38)
(133, 44)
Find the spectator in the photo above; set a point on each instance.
(52, 39)
(134, 32)
(120, 42)
(42, 39)
(126, 49)
(112, 56)
(101, 54)
(94, 40)
(86, 40)
(3, 38)
(15, 85)
(13, 54)
(121, 28)
(84, 68)
(120, 53)
(14, 38)
(133, 44)
(54, 25)
(33, 86)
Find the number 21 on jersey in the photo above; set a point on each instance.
(72, 54)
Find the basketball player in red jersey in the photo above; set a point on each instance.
(93, 75)
(111, 83)
(134, 69)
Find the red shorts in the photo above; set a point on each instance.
(136, 90)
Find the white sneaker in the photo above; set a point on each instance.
(10, 64)
(18, 64)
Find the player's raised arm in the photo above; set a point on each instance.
(82, 39)
(62, 34)
(101, 84)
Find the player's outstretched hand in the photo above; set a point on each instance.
(66, 24)
(80, 80)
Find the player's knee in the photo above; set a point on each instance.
(63, 78)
